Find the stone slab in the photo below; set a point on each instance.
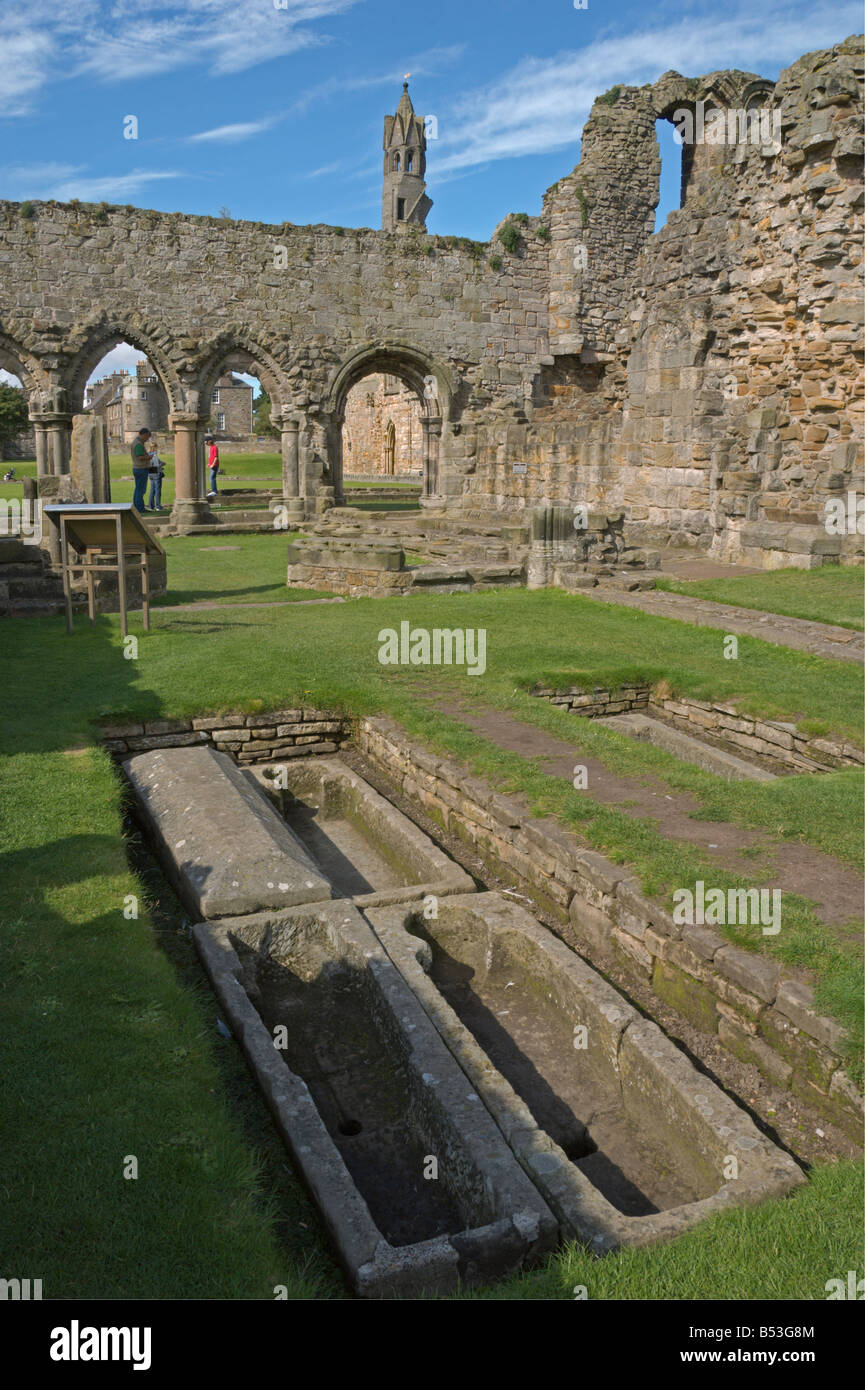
(226, 848)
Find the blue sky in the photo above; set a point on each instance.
(273, 109)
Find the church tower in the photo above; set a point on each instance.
(404, 202)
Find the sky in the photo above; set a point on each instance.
(273, 109)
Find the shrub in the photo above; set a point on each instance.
(522, 218)
(509, 236)
(27, 210)
(495, 262)
(610, 97)
(544, 233)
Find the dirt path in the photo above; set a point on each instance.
(822, 639)
(836, 889)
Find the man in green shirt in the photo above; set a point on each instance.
(140, 467)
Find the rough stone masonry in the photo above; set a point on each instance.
(704, 380)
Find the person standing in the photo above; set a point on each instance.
(212, 462)
(157, 473)
(140, 468)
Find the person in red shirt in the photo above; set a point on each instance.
(212, 461)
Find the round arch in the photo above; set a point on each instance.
(18, 362)
(234, 351)
(99, 338)
(429, 378)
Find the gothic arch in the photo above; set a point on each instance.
(94, 340)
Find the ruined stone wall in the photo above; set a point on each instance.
(726, 405)
(705, 379)
(371, 408)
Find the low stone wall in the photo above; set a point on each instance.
(719, 724)
(364, 569)
(760, 1011)
(282, 733)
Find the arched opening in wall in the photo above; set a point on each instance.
(238, 398)
(114, 378)
(382, 431)
(125, 389)
(17, 438)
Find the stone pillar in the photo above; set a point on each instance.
(431, 427)
(289, 440)
(89, 462)
(53, 431)
(40, 429)
(189, 509)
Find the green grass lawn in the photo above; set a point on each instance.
(112, 1047)
(230, 568)
(832, 594)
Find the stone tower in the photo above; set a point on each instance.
(404, 202)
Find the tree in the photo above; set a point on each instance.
(13, 413)
(261, 421)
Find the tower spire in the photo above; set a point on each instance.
(404, 201)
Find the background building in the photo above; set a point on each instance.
(129, 403)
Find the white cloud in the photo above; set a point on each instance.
(43, 42)
(232, 134)
(541, 104)
(65, 181)
(119, 359)
(224, 35)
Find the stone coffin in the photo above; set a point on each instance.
(414, 1181)
(625, 1139)
(224, 846)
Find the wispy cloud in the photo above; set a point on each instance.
(232, 134)
(42, 41)
(541, 104)
(65, 181)
(226, 36)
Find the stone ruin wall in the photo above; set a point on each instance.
(375, 403)
(705, 380)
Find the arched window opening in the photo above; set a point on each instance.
(409, 161)
(671, 186)
(396, 163)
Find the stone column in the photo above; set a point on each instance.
(289, 441)
(40, 430)
(53, 442)
(431, 427)
(189, 509)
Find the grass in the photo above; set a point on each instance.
(233, 569)
(111, 1048)
(832, 594)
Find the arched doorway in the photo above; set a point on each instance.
(416, 377)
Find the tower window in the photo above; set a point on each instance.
(409, 161)
(400, 209)
(396, 162)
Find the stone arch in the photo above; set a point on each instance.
(428, 377)
(29, 370)
(94, 340)
(237, 351)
